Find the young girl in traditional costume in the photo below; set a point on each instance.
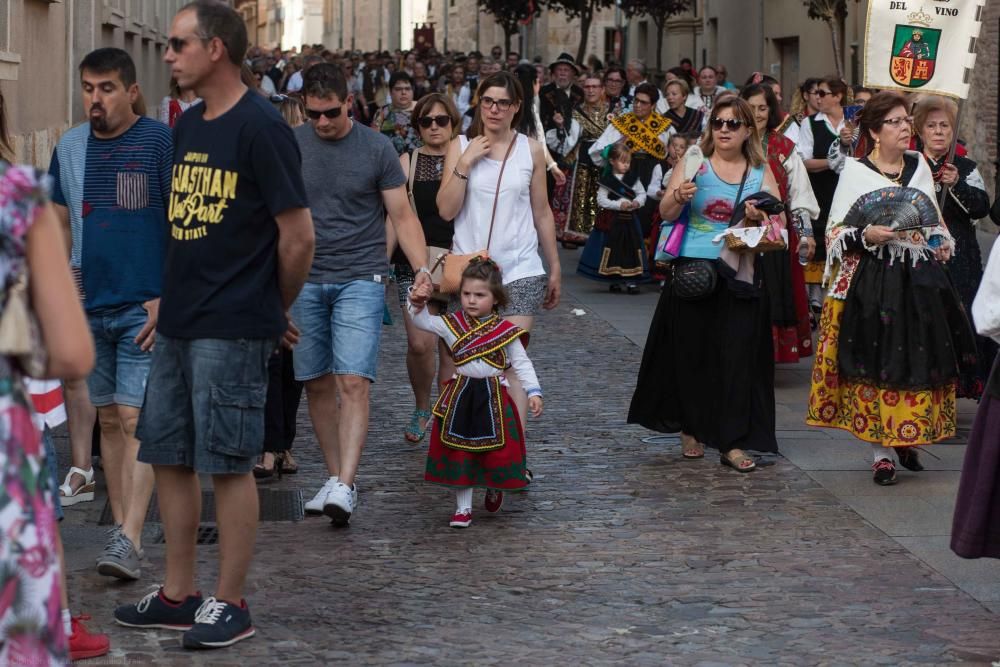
(615, 251)
(476, 438)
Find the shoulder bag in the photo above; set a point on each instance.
(20, 333)
(454, 265)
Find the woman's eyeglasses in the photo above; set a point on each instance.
(897, 122)
(314, 114)
(821, 93)
(441, 121)
(489, 103)
(732, 124)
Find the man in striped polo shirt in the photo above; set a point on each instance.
(112, 185)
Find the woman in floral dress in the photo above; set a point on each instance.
(893, 333)
(31, 243)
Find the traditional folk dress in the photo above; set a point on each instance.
(583, 201)
(822, 136)
(975, 531)
(648, 139)
(893, 332)
(476, 438)
(693, 120)
(616, 251)
(783, 276)
(967, 202)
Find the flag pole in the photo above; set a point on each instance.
(951, 152)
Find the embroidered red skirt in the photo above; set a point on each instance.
(476, 438)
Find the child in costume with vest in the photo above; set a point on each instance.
(476, 437)
(616, 250)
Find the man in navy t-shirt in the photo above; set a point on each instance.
(241, 243)
(112, 182)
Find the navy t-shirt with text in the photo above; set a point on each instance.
(231, 176)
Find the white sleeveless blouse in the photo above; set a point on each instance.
(515, 242)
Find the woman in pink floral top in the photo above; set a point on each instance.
(31, 626)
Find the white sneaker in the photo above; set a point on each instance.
(340, 503)
(315, 506)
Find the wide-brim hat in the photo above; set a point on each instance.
(565, 59)
(893, 207)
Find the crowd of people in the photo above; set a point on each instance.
(219, 275)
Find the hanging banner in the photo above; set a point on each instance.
(922, 46)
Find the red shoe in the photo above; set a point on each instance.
(494, 500)
(461, 519)
(83, 644)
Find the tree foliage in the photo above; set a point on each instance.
(834, 14)
(584, 11)
(659, 11)
(510, 14)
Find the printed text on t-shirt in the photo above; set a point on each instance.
(199, 196)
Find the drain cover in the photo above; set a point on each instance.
(208, 533)
(275, 505)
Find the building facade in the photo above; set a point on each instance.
(41, 45)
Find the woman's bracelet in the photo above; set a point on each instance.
(676, 198)
(460, 174)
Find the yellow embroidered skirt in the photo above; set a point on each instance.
(890, 417)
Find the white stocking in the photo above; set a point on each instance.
(463, 499)
(879, 452)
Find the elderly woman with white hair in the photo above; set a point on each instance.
(967, 202)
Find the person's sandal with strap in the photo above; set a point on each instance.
(738, 461)
(691, 449)
(414, 431)
(287, 464)
(68, 496)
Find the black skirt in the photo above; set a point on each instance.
(708, 370)
(904, 326)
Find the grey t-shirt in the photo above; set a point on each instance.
(344, 183)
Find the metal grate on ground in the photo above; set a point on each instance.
(275, 505)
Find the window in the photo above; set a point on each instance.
(8, 59)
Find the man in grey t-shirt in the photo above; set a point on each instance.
(353, 179)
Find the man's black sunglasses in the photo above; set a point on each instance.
(329, 113)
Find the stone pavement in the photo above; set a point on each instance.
(620, 551)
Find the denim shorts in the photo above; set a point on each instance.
(121, 367)
(341, 325)
(205, 404)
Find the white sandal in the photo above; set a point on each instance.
(85, 493)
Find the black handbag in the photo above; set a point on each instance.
(694, 280)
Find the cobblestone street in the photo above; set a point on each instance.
(620, 552)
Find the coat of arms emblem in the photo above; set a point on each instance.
(914, 51)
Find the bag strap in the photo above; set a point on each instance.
(739, 194)
(411, 176)
(496, 195)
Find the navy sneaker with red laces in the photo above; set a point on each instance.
(156, 611)
(219, 624)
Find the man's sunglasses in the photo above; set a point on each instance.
(314, 114)
(177, 44)
(732, 124)
(441, 121)
(821, 93)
